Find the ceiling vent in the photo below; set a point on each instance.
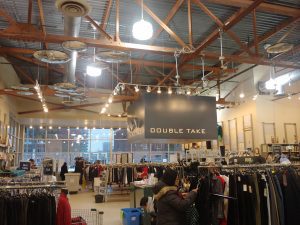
(73, 8)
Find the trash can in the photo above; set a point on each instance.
(99, 198)
(131, 216)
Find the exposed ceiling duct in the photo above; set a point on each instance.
(276, 85)
(73, 11)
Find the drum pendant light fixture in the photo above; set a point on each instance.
(142, 30)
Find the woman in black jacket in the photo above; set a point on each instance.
(171, 206)
(63, 171)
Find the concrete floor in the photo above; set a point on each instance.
(111, 208)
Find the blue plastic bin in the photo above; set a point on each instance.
(131, 216)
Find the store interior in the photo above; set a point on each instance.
(73, 77)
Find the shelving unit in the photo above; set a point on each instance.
(291, 150)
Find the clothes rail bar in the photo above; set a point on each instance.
(32, 187)
(250, 166)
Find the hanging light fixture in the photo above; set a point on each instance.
(169, 90)
(158, 90)
(148, 89)
(242, 95)
(142, 30)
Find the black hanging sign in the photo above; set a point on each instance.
(174, 118)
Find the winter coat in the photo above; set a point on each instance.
(63, 171)
(171, 206)
(63, 214)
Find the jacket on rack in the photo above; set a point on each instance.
(171, 206)
(63, 215)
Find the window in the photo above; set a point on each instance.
(56, 133)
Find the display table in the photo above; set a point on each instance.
(137, 192)
(72, 182)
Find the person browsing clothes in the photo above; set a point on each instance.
(171, 205)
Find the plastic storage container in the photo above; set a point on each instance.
(131, 216)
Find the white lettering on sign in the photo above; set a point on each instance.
(176, 131)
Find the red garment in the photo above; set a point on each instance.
(222, 221)
(145, 172)
(63, 214)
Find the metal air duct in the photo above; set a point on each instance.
(73, 11)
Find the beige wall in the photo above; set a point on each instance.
(262, 110)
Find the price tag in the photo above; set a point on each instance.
(266, 192)
(250, 189)
(245, 187)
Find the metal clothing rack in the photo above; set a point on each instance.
(139, 164)
(32, 185)
(250, 166)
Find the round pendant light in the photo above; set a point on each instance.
(142, 30)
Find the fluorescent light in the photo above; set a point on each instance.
(50, 127)
(142, 30)
(85, 128)
(93, 70)
(169, 90)
(77, 128)
(30, 127)
(41, 127)
(242, 95)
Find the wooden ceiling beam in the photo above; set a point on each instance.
(42, 20)
(13, 94)
(272, 32)
(24, 74)
(251, 60)
(29, 14)
(99, 28)
(263, 7)
(36, 62)
(106, 14)
(162, 24)
(8, 18)
(102, 43)
(234, 19)
(169, 17)
(254, 31)
(172, 65)
(21, 71)
(190, 24)
(222, 26)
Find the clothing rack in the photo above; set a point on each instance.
(250, 166)
(33, 185)
(140, 164)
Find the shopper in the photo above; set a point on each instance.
(32, 164)
(63, 214)
(171, 205)
(63, 171)
(148, 217)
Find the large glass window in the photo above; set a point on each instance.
(93, 144)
